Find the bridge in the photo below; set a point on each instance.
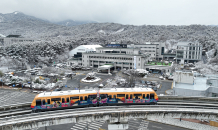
(169, 107)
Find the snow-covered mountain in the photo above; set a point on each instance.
(101, 33)
(73, 22)
(19, 23)
(57, 40)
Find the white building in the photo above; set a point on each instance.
(11, 39)
(129, 58)
(184, 77)
(188, 51)
(203, 86)
(155, 49)
(77, 52)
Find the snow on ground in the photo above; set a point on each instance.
(91, 81)
(210, 53)
(4, 69)
(101, 31)
(118, 31)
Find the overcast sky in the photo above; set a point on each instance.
(136, 12)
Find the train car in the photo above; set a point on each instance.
(90, 97)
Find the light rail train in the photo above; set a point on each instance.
(90, 97)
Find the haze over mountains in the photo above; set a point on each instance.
(100, 33)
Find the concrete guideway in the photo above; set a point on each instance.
(112, 114)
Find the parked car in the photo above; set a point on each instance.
(170, 77)
(161, 77)
(57, 89)
(148, 82)
(154, 88)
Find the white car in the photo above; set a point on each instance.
(161, 77)
(170, 77)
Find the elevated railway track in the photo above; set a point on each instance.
(111, 113)
(17, 116)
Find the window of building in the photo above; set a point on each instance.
(139, 64)
(139, 59)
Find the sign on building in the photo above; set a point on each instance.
(116, 46)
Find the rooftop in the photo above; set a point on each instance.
(12, 35)
(199, 84)
(158, 63)
(113, 54)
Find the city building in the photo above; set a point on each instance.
(117, 55)
(76, 54)
(190, 52)
(187, 83)
(155, 49)
(11, 39)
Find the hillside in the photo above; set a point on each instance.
(57, 40)
(28, 26)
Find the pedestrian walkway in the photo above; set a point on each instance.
(137, 124)
(9, 97)
(88, 125)
(176, 122)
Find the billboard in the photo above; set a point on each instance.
(116, 45)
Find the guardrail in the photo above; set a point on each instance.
(177, 98)
(111, 113)
(165, 98)
(15, 106)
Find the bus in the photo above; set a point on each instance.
(90, 98)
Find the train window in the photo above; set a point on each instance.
(103, 96)
(81, 98)
(152, 96)
(48, 101)
(92, 96)
(68, 99)
(63, 100)
(120, 95)
(143, 96)
(147, 96)
(38, 102)
(130, 96)
(127, 96)
(86, 98)
(77, 97)
(110, 96)
(55, 99)
(43, 102)
(137, 94)
(115, 96)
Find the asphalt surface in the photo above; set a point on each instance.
(160, 126)
(132, 124)
(204, 59)
(165, 85)
(75, 82)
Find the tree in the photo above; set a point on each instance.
(1, 74)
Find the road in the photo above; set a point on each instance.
(132, 124)
(75, 81)
(165, 85)
(204, 58)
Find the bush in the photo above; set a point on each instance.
(1, 74)
(37, 81)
